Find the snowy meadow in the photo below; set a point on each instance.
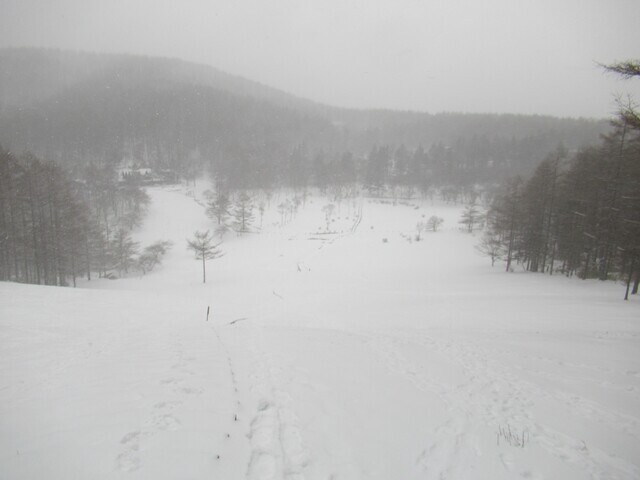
(337, 346)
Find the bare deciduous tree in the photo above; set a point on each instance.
(491, 246)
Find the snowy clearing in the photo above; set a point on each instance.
(350, 354)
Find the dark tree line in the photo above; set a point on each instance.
(577, 216)
(45, 228)
(383, 167)
(55, 227)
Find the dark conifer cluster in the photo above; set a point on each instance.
(55, 227)
(579, 215)
(576, 215)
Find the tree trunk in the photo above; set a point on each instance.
(88, 253)
(585, 273)
(34, 236)
(510, 251)
(631, 270)
(73, 270)
(204, 271)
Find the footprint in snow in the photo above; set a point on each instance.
(170, 381)
(129, 460)
(190, 391)
(130, 437)
(167, 422)
(167, 405)
(262, 466)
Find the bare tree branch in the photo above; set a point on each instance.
(627, 69)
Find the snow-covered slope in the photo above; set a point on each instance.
(327, 356)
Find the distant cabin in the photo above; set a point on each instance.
(146, 176)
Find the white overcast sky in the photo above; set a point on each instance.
(504, 56)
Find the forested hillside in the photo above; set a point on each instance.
(80, 108)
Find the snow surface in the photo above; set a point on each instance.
(327, 356)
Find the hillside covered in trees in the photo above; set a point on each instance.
(81, 108)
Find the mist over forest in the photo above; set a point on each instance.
(81, 108)
(268, 287)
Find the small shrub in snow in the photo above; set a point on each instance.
(420, 227)
(434, 223)
(152, 256)
(511, 436)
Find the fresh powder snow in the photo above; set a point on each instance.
(336, 348)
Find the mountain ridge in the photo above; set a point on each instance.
(79, 107)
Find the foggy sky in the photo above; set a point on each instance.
(500, 56)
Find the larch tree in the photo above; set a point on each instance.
(491, 246)
(540, 214)
(123, 249)
(434, 223)
(628, 178)
(471, 215)
(205, 248)
(243, 214)
(218, 206)
(507, 219)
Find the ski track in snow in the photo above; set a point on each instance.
(509, 402)
(327, 238)
(258, 403)
(277, 450)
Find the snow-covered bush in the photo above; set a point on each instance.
(152, 255)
